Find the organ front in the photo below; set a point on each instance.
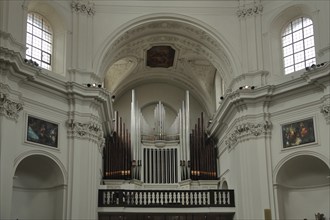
(161, 149)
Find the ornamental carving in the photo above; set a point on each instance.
(92, 131)
(254, 10)
(83, 7)
(246, 130)
(9, 108)
(325, 110)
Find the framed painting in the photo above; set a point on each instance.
(298, 133)
(42, 132)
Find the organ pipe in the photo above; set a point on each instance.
(117, 152)
(203, 153)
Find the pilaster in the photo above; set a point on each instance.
(250, 15)
(82, 34)
(10, 109)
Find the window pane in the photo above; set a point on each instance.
(29, 18)
(299, 57)
(28, 38)
(47, 37)
(29, 28)
(37, 32)
(308, 31)
(289, 70)
(287, 30)
(299, 66)
(37, 21)
(297, 24)
(309, 42)
(36, 53)
(288, 61)
(310, 53)
(46, 57)
(46, 47)
(307, 22)
(37, 42)
(299, 46)
(287, 50)
(297, 36)
(287, 40)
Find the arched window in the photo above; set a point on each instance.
(39, 38)
(298, 45)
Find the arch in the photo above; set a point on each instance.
(300, 178)
(38, 188)
(295, 154)
(24, 155)
(58, 19)
(102, 55)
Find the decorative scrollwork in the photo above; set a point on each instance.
(254, 10)
(8, 107)
(325, 110)
(89, 130)
(83, 7)
(247, 129)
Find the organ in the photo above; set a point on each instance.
(158, 152)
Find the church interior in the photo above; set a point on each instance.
(165, 109)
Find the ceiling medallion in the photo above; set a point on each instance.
(160, 56)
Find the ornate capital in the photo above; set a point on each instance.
(246, 130)
(325, 110)
(253, 10)
(90, 130)
(83, 7)
(8, 107)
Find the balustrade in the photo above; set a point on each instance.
(166, 198)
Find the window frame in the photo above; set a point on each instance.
(36, 32)
(304, 62)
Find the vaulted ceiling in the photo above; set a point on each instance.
(197, 57)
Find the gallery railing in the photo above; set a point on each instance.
(174, 137)
(166, 198)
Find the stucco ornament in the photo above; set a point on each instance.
(325, 110)
(9, 108)
(83, 7)
(89, 130)
(253, 10)
(247, 129)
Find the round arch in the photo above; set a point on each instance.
(300, 178)
(102, 56)
(39, 187)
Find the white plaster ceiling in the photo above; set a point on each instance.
(198, 57)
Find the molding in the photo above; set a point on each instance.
(8, 40)
(252, 10)
(9, 108)
(84, 7)
(247, 130)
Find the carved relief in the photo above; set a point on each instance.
(253, 10)
(9, 108)
(246, 130)
(83, 7)
(325, 110)
(92, 131)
